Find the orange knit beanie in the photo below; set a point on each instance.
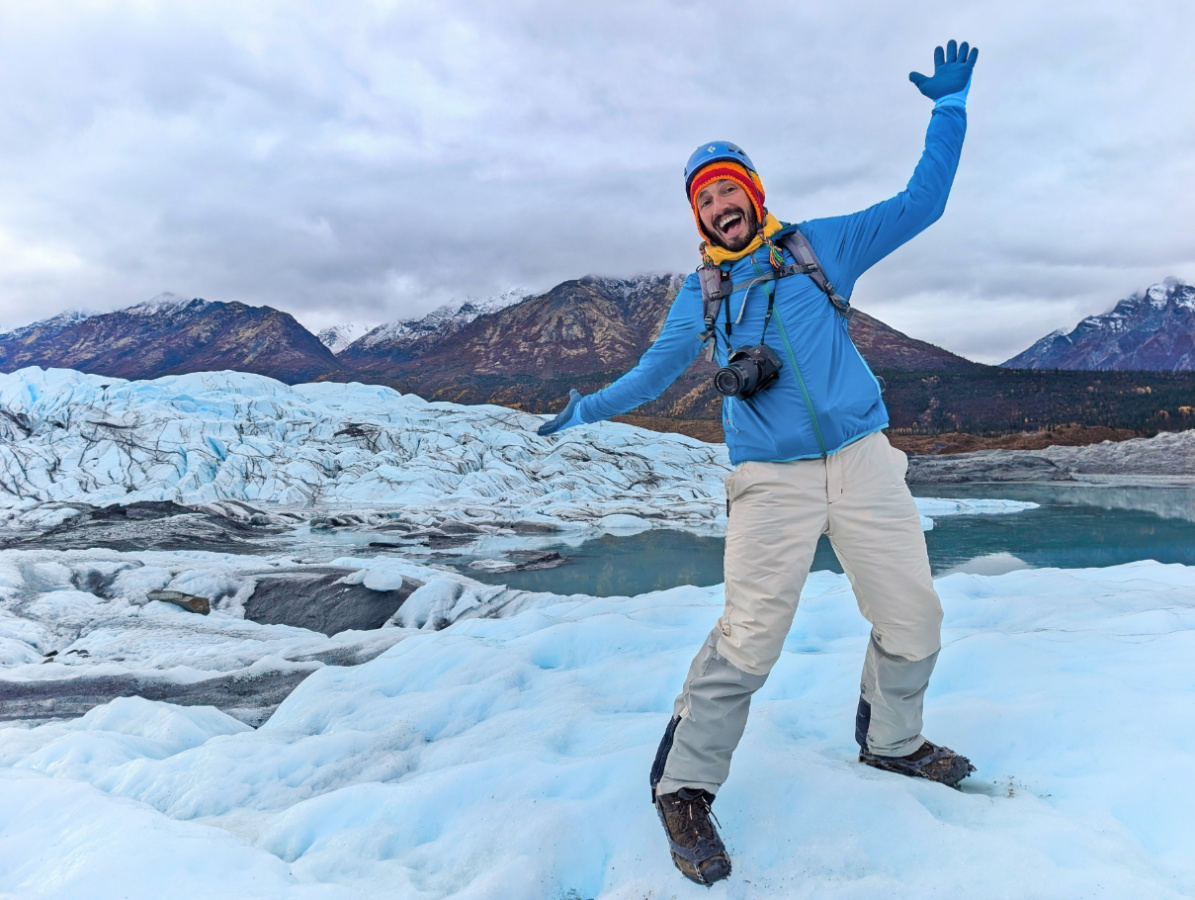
(727, 169)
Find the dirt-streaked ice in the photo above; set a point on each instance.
(64, 614)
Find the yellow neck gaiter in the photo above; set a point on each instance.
(718, 255)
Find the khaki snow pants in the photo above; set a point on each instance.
(777, 511)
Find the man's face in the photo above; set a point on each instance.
(726, 214)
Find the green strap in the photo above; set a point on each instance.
(817, 431)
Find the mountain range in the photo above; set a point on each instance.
(587, 326)
(528, 351)
(592, 324)
(171, 335)
(409, 338)
(1152, 331)
(582, 333)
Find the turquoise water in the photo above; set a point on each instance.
(1075, 527)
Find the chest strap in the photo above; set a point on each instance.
(717, 287)
(798, 245)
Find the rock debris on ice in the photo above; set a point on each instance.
(79, 626)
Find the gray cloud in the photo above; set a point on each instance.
(372, 160)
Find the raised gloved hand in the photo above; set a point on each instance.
(569, 416)
(952, 72)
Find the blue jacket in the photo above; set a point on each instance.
(826, 396)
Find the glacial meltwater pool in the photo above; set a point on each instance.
(1075, 526)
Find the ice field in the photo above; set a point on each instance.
(68, 437)
(214, 436)
(494, 743)
(508, 757)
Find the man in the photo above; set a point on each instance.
(810, 459)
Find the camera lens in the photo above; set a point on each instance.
(749, 369)
(728, 381)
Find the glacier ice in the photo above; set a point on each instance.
(207, 437)
(493, 743)
(221, 437)
(507, 758)
(70, 614)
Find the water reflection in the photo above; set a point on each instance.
(991, 564)
(1167, 502)
(1074, 527)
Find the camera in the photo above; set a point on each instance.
(748, 371)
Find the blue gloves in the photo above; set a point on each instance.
(569, 416)
(952, 75)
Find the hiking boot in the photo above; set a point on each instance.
(696, 848)
(940, 764)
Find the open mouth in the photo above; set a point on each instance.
(731, 224)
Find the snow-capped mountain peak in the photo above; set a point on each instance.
(165, 302)
(444, 319)
(162, 303)
(1154, 331)
(49, 326)
(168, 335)
(337, 337)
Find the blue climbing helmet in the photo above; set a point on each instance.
(715, 151)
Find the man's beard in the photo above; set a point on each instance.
(743, 240)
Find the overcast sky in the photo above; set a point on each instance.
(370, 161)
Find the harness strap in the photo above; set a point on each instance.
(716, 286)
(798, 245)
(774, 275)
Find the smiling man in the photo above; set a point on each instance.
(724, 199)
(803, 418)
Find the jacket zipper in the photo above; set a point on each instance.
(817, 431)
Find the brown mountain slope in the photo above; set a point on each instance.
(584, 334)
(886, 348)
(172, 338)
(578, 327)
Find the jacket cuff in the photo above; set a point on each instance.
(956, 99)
(574, 419)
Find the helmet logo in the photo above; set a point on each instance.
(710, 148)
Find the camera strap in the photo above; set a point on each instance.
(768, 315)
